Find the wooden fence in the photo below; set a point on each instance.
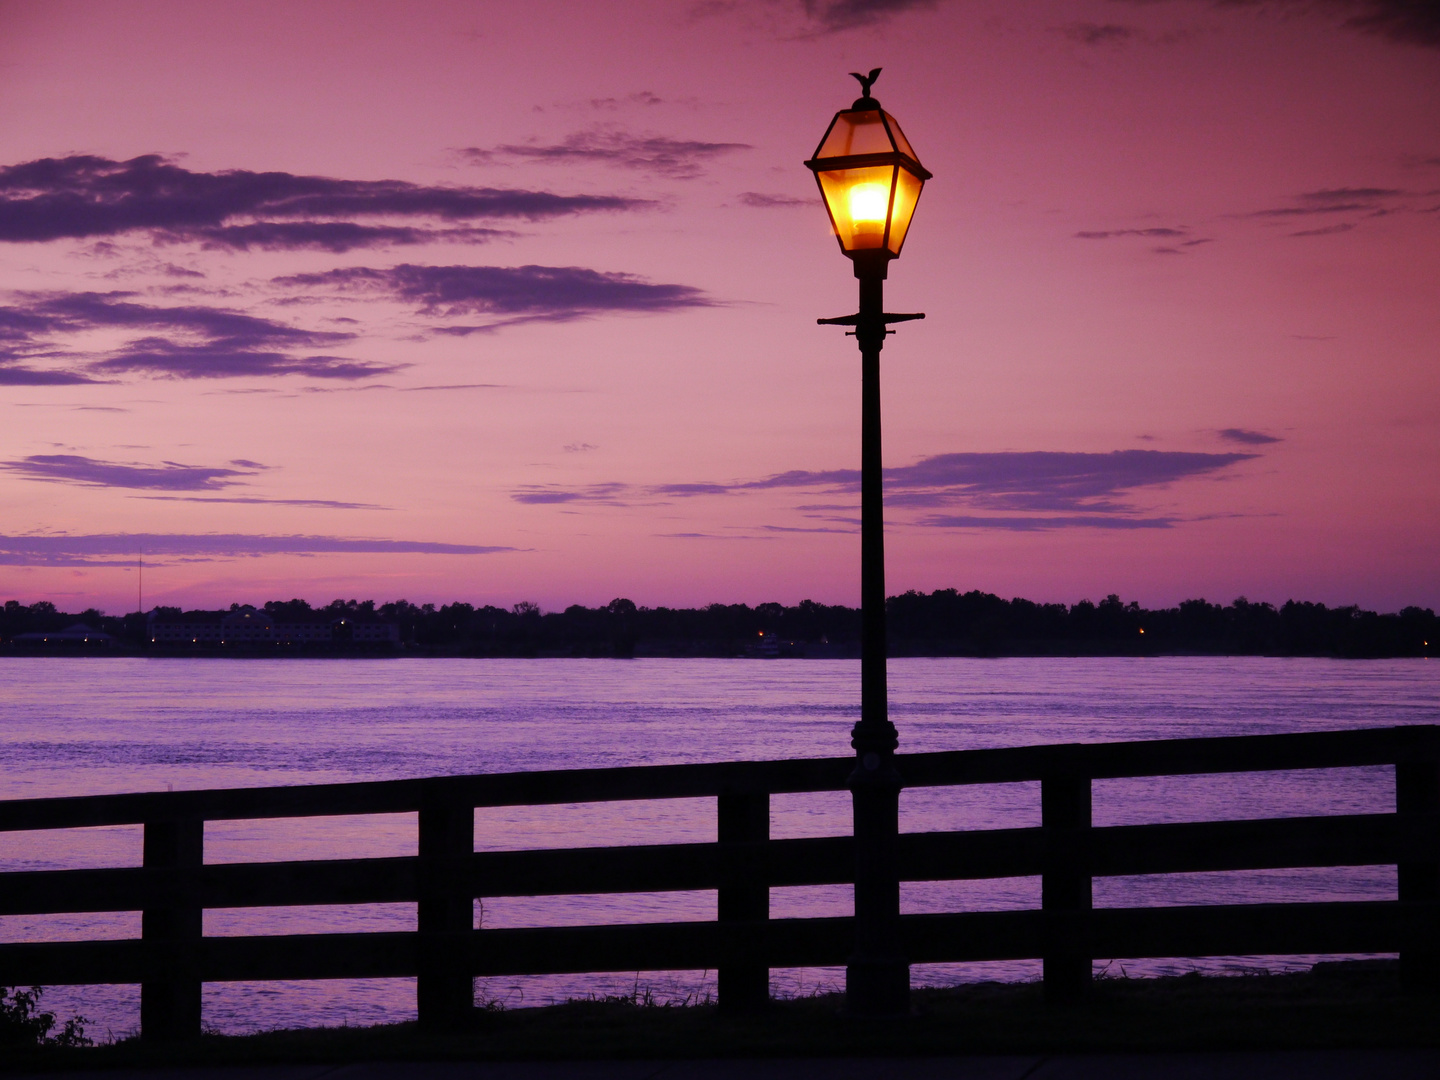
(172, 957)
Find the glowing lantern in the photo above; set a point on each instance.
(869, 178)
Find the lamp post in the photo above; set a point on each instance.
(870, 180)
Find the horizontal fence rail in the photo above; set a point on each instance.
(174, 886)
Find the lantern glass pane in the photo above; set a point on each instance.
(901, 143)
(907, 194)
(859, 203)
(856, 132)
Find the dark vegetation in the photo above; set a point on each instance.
(23, 1023)
(1333, 1006)
(943, 623)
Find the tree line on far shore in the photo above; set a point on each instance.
(942, 623)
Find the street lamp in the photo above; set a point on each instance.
(870, 180)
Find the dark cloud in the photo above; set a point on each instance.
(183, 342)
(167, 359)
(611, 494)
(103, 548)
(1089, 33)
(1042, 524)
(832, 479)
(1342, 200)
(20, 375)
(681, 159)
(1045, 480)
(333, 236)
(1305, 211)
(1327, 230)
(1247, 437)
(686, 491)
(843, 14)
(1356, 202)
(804, 529)
(88, 196)
(1087, 488)
(1110, 234)
(761, 201)
(523, 293)
(167, 476)
(455, 386)
(1413, 22)
(645, 98)
(313, 504)
(1349, 194)
(710, 536)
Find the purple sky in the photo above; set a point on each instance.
(500, 301)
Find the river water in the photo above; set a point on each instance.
(72, 726)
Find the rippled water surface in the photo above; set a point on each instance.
(84, 726)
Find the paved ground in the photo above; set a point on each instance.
(1276, 1065)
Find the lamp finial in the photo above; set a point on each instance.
(866, 81)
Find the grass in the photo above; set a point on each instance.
(1340, 1005)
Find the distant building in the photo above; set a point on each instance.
(79, 635)
(249, 627)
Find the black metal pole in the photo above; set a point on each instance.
(877, 978)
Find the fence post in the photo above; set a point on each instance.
(1417, 791)
(444, 990)
(170, 1002)
(743, 817)
(1065, 892)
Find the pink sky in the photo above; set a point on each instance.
(525, 308)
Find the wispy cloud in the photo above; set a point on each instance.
(1325, 230)
(544, 495)
(709, 536)
(682, 159)
(119, 549)
(1091, 33)
(517, 293)
(761, 201)
(333, 236)
(1051, 489)
(1247, 437)
(1180, 240)
(167, 476)
(15, 374)
(1047, 481)
(84, 196)
(1318, 210)
(1043, 524)
(260, 500)
(1412, 22)
(180, 342)
(1341, 200)
(834, 15)
(1111, 234)
(1416, 22)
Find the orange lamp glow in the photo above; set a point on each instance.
(869, 178)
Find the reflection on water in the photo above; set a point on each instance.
(84, 726)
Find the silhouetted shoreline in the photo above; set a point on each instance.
(1333, 1006)
(943, 623)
